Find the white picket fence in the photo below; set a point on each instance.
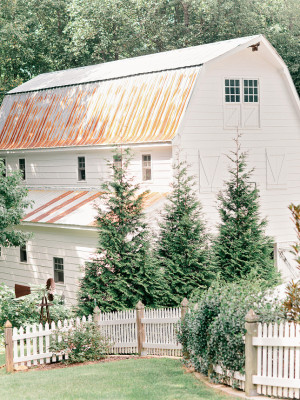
(31, 345)
(278, 360)
(160, 331)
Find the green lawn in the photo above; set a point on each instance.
(148, 379)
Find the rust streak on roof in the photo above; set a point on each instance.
(137, 109)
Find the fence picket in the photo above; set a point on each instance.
(28, 345)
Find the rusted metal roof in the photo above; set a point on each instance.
(139, 109)
(74, 207)
(187, 57)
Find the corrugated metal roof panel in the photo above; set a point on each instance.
(144, 108)
(73, 207)
(180, 58)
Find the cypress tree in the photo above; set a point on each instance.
(182, 244)
(241, 246)
(120, 274)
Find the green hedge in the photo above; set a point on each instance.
(213, 334)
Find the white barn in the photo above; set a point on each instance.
(60, 127)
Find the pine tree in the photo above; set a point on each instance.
(241, 246)
(182, 245)
(120, 274)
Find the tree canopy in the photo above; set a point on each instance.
(39, 36)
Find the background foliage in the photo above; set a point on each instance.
(46, 35)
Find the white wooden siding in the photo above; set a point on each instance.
(202, 132)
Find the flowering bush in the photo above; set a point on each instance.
(82, 342)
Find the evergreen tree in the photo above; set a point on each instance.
(241, 246)
(182, 245)
(120, 274)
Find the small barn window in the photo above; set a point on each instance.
(3, 160)
(250, 90)
(58, 264)
(146, 167)
(232, 91)
(23, 254)
(22, 167)
(81, 168)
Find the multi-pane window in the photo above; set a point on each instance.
(3, 161)
(232, 91)
(81, 168)
(23, 253)
(22, 168)
(234, 88)
(250, 90)
(146, 167)
(58, 264)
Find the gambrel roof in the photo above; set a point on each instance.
(136, 100)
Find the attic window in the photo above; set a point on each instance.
(250, 90)
(232, 91)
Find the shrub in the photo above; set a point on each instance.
(24, 310)
(83, 342)
(213, 334)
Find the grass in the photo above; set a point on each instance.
(148, 379)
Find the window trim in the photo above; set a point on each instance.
(23, 251)
(81, 169)
(242, 79)
(151, 167)
(63, 270)
(23, 171)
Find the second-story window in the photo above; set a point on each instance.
(81, 168)
(146, 167)
(23, 253)
(22, 167)
(3, 161)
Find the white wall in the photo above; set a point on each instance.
(203, 136)
(58, 168)
(74, 246)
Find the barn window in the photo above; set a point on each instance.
(23, 254)
(3, 160)
(146, 167)
(81, 168)
(250, 90)
(232, 91)
(58, 264)
(22, 167)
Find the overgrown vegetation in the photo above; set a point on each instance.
(83, 342)
(25, 311)
(182, 246)
(213, 333)
(43, 36)
(241, 247)
(121, 273)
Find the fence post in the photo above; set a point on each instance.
(184, 308)
(140, 312)
(96, 315)
(251, 326)
(9, 355)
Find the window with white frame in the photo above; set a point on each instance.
(23, 253)
(81, 169)
(146, 167)
(58, 264)
(22, 168)
(234, 88)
